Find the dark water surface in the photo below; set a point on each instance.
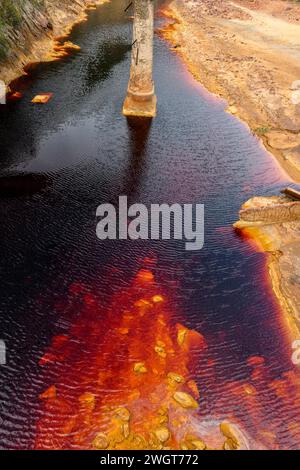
(77, 152)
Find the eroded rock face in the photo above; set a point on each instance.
(282, 141)
(282, 211)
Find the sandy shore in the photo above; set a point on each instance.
(247, 52)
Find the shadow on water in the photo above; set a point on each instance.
(22, 184)
(139, 129)
(107, 55)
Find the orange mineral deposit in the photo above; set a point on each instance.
(43, 98)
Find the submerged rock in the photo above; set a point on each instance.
(160, 350)
(123, 414)
(100, 442)
(140, 368)
(175, 378)
(193, 442)
(235, 439)
(185, 400)
(162, 434)
(49, 393)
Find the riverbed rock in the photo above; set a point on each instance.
(198, 444)
(282, 140)
(162, 434)
(174, 378)
(185, 400)
(123, 414)
(157, 299)
(140, 368)
(126, 430)
(232, 109)
(100, 442)
(235, 439)
(181, 335)
(192, 442)
(51, 392)
(87, 398)
(160, 350)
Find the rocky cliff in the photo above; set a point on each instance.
(27, 28)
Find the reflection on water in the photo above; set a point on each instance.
(193, 152)
(138, 134)
(107, 56)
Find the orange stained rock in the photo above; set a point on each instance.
(249, 389)
(140, 368)
(121, 383)
(49, 393)
(123, 379)
(123, 331)
(42, 98)
(70, 46)
(258, 239)
(157, 298)
(87, 398)
(17, 95)
(188, 339)
(64, 49)
(255, 360)
(145, 275)
(185, 400)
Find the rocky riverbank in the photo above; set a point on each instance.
(29, 31)
(247, 52)
(274, 223)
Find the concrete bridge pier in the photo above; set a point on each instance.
(141, 100)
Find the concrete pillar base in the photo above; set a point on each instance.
(140, 105)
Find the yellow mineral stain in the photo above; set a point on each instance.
(42, 98)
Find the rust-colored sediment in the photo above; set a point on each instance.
(124, 378)
(133, 386)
